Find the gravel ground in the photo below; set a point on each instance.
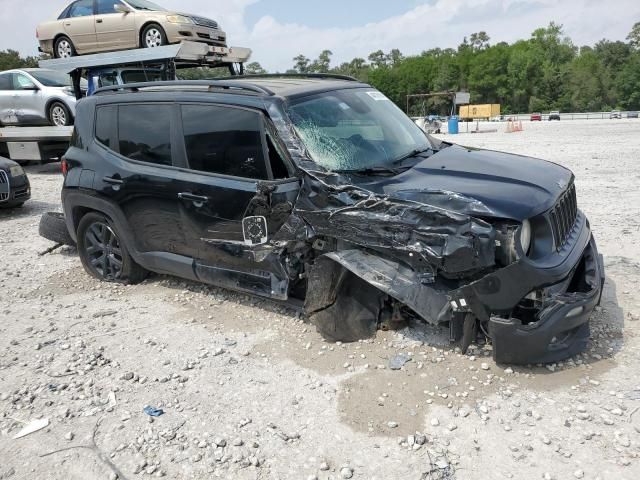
(251, 392)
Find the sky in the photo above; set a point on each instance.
(278, 30)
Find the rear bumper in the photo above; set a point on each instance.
(46, 46)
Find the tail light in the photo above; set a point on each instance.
(64, 166)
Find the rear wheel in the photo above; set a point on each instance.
(63, 48)
(103, 253)
(59, 115)
(153, 36)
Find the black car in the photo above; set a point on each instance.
(14, 184)
(320, 189)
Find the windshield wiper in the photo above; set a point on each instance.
(412, 153)
(374, 170)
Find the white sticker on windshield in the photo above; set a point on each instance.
(344, 106)
(377, 96)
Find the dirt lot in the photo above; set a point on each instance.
(251, 392)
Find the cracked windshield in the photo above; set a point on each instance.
(356, 130)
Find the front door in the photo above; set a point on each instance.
(232, 204)
(80, 25)
(29, 103)
(114, 30)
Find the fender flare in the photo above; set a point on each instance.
(75, 202)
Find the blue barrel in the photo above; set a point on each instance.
(453, 125)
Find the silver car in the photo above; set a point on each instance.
(35, 96)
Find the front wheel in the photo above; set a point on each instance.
(59, 115)
(153, 36)
(103, 253)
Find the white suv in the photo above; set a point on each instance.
(35, 96)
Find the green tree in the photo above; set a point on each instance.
(628, 84)
(10, 59)
(378, 59)
(544, 72)
(254, 68)
(323, 63)
(479, 41)
(301, 64)
(634, 36)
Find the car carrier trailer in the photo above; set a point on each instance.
(24, 144)
(166, 59)
(162, 63)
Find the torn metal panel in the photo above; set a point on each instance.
(398, 281)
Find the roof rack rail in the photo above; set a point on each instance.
(294, 75)
(224, 84)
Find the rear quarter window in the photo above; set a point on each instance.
(106, 118)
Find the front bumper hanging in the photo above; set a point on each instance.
(561, 326)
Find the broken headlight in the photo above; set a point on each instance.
(525, 236)
(507, 237)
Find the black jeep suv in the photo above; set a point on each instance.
(320, 189)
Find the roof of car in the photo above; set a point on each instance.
(289, 86)
(298, 86)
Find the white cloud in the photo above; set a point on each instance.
(441, 23)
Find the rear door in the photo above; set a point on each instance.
(80, 25)
(7, 109)
(29, 101)
(231, 202)
(114, 30)
(139, 173)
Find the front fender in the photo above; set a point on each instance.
(397, 281)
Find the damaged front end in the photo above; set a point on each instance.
(444, 242)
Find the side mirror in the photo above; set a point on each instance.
(121, 8)
(31, 86)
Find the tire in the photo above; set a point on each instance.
(153, 36)
(354, 315)
(53, 227)
(103, 253)
(63, 48)
(59, 115)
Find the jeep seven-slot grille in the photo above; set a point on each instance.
(563, 216)
(5, 189)
(205, 22)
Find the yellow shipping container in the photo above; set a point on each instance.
(479, 111)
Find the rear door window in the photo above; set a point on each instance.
(144, 132)
(82, 8)
(224, 140)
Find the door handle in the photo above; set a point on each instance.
(112, 181)
(193, 198)
(99, 20)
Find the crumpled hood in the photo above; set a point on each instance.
(478, 182)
